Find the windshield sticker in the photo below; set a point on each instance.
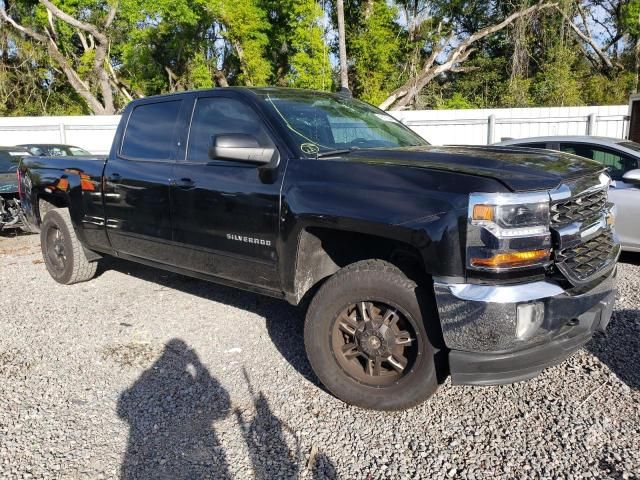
(309, 148)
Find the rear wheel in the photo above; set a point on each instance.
(366, 339)
(63, 254)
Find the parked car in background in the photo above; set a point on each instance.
(54, 150)
(10, 213)
(622, 159)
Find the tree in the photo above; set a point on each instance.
(297, 49)
(94, 86)
(376, 45)
(342, 46)
(27, 84)
(630, 20)
(92, 56)
(447, 51)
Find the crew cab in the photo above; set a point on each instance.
(483, 263)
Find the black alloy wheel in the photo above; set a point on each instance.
(375, 343)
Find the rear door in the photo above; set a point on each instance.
(225, 213)
(136, 198)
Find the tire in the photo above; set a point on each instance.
(63, 254)
(357, 368)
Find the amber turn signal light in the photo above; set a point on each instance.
(63, 184)
(483, 212)
(511, 259)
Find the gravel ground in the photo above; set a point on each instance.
(145, 374)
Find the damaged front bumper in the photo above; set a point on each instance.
(483, 331)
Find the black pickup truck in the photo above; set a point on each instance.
(416, 262)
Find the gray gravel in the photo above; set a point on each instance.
(144, 374)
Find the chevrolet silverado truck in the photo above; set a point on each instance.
(415, 262)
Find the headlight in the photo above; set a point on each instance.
(513, 220)
(508, 231)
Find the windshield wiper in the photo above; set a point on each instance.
(330, 153)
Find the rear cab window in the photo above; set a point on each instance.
(150, 133)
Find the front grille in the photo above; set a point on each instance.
(584, 261)
(579, 208)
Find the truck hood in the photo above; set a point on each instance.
(519, 169)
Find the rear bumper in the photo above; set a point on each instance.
(479, 327)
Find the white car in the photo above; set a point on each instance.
(622, 158)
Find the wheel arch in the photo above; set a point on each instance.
(46, 201)
(322, 251)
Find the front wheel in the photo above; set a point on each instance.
(63, 254)
(366, 339)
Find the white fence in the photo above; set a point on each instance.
(93, 133)
(439, 127)
(482, 127)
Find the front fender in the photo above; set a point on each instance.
(425, 209)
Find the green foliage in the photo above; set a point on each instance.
(245, 26)
(308, 60)
(631, 17)
(158, 46)
(375, 43)
(558, 84)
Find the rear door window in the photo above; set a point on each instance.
(150, 132)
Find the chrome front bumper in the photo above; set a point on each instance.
(479, 327)
(482, 318)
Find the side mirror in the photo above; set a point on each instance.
(242, 148)
(632, 177)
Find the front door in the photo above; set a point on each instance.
(137, 193)
(225, 213)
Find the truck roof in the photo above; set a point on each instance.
(244, 90)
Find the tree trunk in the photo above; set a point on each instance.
(342, 45)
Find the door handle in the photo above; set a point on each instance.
(114, 177)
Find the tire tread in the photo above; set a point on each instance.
(82, 269)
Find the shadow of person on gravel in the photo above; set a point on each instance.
(265, 436)
(285, 323)
(323, 468)
(619, 348)
(170, 410)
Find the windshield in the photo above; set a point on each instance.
(319, 123)
(9, 160)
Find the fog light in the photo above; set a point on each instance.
(530, 317)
